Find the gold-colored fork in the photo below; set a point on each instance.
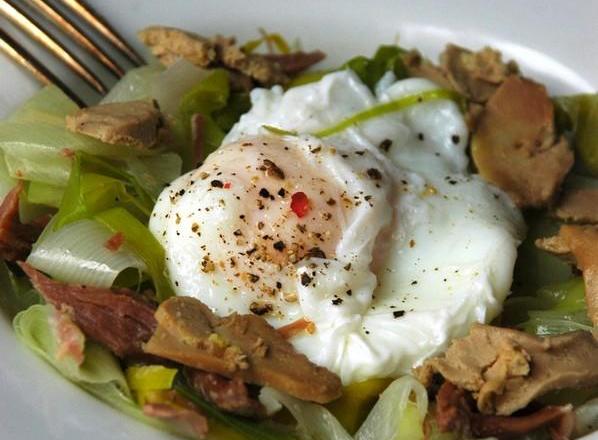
(32, 16)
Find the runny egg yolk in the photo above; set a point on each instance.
(287, 209)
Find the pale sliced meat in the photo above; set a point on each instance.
(578, 206)
(515, 147)
(134, 123)
(243, 346)
(171, 44)
(506, 369)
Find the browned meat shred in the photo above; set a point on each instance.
(16, 238)
(296, 62)
(454, 414)
(243, 346)
(116, 318)
(170, 44)
(231, 395)
(578, 243)
(506, 369)
(133, 123)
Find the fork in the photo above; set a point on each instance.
(34, 16)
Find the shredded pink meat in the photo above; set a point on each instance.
(117, 318)
(454, 413)
(231, 395)
(16, 238)
(190, 419)
(296, 62)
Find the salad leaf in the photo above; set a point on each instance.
(230, 426)
(579, 113)
(49, 105)
(77, 254)
(370, 70)
(17, 294)
(99, 374)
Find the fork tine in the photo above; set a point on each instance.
(100, 25)
(25, 22)
(24, 58)
(79, 36)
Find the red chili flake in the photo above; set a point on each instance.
(115, 242)
(300, 204)
(227, 185)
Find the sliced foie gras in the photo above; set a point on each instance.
(506, 369)
(243, 346)
(515, 146)
(578, 206)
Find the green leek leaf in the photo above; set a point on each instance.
(388, 107)
(579, 113)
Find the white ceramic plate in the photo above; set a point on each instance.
(553, 41)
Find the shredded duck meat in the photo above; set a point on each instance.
(231, 395)
(16, 238)
(455, 414)
(116, 318)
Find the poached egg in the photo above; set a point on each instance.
(371, 249)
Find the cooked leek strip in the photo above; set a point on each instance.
(6, 181)
(141, 241)
(95, 185)
(44, 194)
(50, 105)
(150, 377)
(279, 131)
(154, 173)
(77, 254)
(135, 85)
(396, 416)
(388, 107)
(313, 421)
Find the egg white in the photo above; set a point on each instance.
(430, 252)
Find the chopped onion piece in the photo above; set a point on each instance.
(77, 254)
